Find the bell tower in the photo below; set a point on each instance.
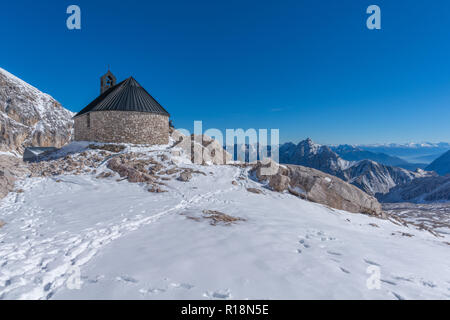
(107, 81)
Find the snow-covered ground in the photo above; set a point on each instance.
(78, 237)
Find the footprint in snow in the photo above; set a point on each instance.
(371, 263)
(403, 279)
(126, 279)
(334, 253)
(344, 270)
(186, 286)
(220, 294)
(429, 284)
(304, 243)
(392, 283)
(151, 290)
(397, 296)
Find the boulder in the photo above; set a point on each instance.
(279, 182)
(128, 172)
(11, 169)
(185, 176)
(332, 191)
(316, 186)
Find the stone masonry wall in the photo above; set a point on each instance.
(122, 127)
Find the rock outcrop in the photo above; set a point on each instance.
(29, 117)
(316, 186)
(11, 169)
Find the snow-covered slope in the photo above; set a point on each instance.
(30, 117)
(122, 241)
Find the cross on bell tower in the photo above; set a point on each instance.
(107, 81)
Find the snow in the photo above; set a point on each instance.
(128, 243)
(412, 145)
(10, 154)
(30, 115)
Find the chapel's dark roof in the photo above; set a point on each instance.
(127, 95)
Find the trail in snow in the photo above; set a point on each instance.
(35, 263)
(129, 243)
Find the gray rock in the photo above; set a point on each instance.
(11, 169)
(332, 191)
(319, 187)
(185, 176)
(279, 182)
(29, 117)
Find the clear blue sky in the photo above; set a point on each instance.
(310, 68)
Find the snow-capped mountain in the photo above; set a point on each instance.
(374, 178)
(368, 175)
(354, 153)
(412, 152)
(428, 189)
(309, 154)
(411, 145)
(441, 165)
(29, 117)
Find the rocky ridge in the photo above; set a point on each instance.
(29, 117)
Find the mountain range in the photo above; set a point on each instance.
(411, 152)
(370, 176)
(355, 153)
(427, 189)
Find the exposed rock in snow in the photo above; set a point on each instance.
(434, 216)
(29, 117)
(11, 169)
(320, 187)
(185, 176)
